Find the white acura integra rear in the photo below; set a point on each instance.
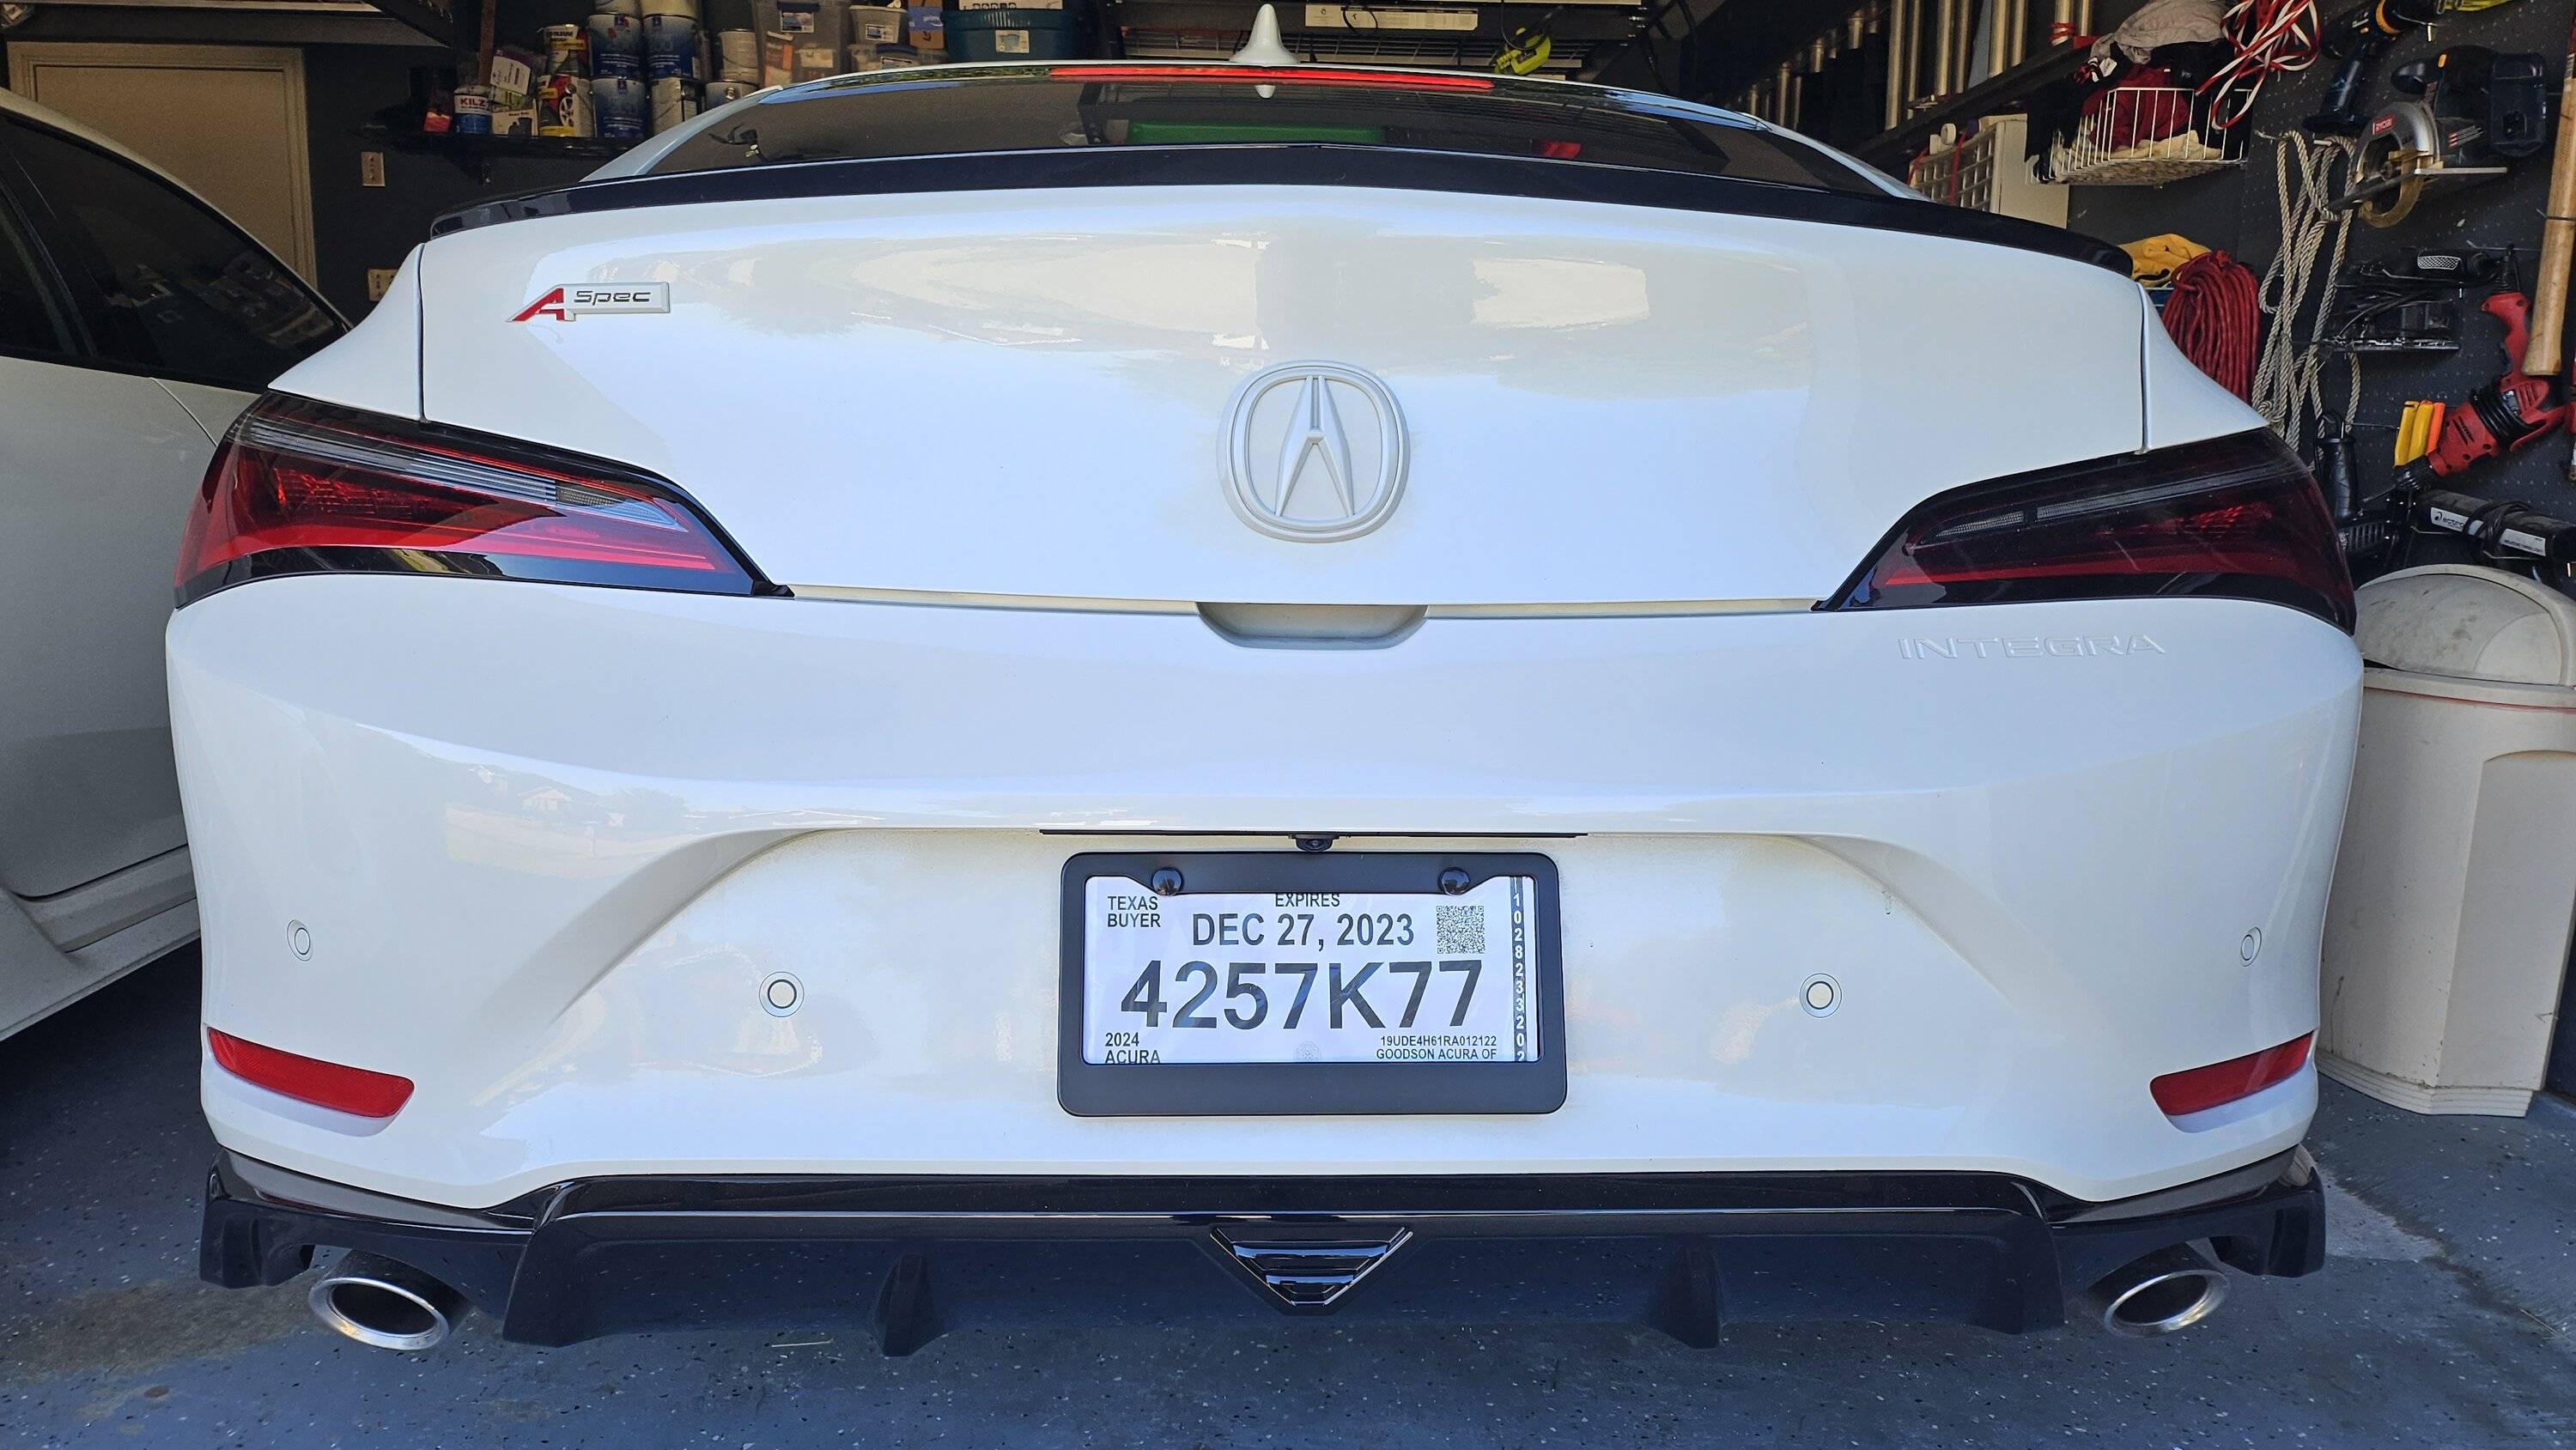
(1122, 691)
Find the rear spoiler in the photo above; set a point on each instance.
(1290, 164)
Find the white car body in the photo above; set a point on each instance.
(537, 847)
(104, 432)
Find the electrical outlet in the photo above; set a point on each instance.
(380, 280)
(371, 168)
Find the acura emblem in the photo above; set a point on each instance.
(1314, 452)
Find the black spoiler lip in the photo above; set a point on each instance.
(1290, 164)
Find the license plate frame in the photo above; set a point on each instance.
(1088, 1089)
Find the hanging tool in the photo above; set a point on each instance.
(2497, 526)
(2504, 414)
(2557, 243)
(2471, 112)
(1526, 48)
(2357, 40)
(2409, 302)
(2416, 425)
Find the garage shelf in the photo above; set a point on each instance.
(475, 154)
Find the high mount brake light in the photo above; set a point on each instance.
(2198, 1089)
(2232, 517)
(301, 488)
(1280, 75)
(352, 1090)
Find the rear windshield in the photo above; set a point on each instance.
(1042, 108)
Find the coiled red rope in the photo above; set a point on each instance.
(2213, 317)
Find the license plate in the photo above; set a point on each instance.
(1308, 976)
(1290, 983)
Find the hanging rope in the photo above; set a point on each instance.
(2288, 388)
(2269, 36)
(2215, 319)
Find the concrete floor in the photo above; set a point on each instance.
(2447, 1317)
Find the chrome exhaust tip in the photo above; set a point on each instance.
(2165, 1292)
(386, 1305)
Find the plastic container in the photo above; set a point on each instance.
(2447, 931)
(1014, 34)
(877, 24)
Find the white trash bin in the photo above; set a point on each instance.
(2447, 932)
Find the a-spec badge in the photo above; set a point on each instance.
(1314, 451)
(574, 299)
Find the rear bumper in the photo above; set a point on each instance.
(545, 868)
(911, 1257)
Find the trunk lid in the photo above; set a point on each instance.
(1029, 393)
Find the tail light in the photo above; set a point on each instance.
(302, 488)
(2202, 1088)
(352, 1090)
(2233, 517)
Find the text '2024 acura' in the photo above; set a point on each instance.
(1139, 691)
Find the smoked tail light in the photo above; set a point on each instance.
(352, 1090)
(2234, 517)
(2199, 1089)
(301, 487)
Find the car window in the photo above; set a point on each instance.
(183, 292)
(1041, 108)
(28, 322)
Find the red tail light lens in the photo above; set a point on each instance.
(301, 487)
(2232, 517)
(309, 1079)
(2220, 1083)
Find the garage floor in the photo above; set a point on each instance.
(2447, 1317)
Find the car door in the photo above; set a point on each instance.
(142, 322)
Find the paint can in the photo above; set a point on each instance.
(473, 110)
(738, 55)
(622, 106)
(567, 50)
(616, 44)
(670, 38)
(671, 47)
(563, 106)
(631, 9)
(675, 102)
(723, 93)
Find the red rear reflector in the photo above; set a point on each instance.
(1273, 75)
(2203, 1088)
(304, 487)
(2231, 517)
(352, 1090)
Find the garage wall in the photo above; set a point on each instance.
(2240, 212)
(351, 74)
(357, 226)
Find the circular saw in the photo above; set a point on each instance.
(2468, 113)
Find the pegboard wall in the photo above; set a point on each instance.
(2238, 211)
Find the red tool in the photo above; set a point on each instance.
(2501, 415)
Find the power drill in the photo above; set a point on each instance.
(2357, 40)
(2501, 415)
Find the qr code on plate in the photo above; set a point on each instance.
(1461, 930)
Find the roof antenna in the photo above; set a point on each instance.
(1265, 47)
